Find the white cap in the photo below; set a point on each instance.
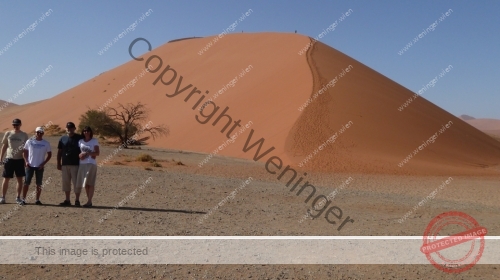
(39, 129)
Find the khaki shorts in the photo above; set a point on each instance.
(87, 174)
(69, 173)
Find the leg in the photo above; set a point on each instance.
(68, 176)
(39, 182)
(25, 191)
(20, 187)
(38, 192)
(7, 174)
(5, 186)
(73, 169)
(27, 181)
(87, 191)
(90, 193)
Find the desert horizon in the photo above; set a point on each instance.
(252, 137)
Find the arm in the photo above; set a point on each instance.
(25, 156)
(59, 159)
(4, 149)
(95, 153)
(5, 145)
(49, 155)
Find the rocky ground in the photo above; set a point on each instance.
(171, 197)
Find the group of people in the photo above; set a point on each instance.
(26, 157)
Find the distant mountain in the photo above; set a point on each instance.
(467, 118)
(3, 102)
(488, 126)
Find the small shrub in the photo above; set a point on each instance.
(117, 163)
(156, 164)
(54, 130)
(148, 169)
(144, 158)
(180, 163)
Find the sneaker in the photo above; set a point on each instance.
(19, 201)
(65, 203)
(38, 202)
(2, 200)
(88, 205)
(23, 202)
(77, 203)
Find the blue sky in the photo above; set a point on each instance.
(70, 38)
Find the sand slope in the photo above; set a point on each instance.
(11, 111)
(275, 82)
(381, 136)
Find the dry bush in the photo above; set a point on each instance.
(54, 130)
(144, 158)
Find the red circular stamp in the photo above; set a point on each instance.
(453, 242)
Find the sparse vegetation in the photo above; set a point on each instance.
(129, 117)
(97, 120)
(156, 164)
(54, 130)
(123, 124)
(145, 158)
(148, 168)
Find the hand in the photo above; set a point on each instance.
(59, 166)
(41, 166)
(83, 156)
(27, 164)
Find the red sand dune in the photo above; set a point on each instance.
(277, 82)
(10, 111)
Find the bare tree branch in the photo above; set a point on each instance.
(124, 122)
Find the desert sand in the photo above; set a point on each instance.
(178, 196)
(373, 137)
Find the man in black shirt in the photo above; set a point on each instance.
(68, 162)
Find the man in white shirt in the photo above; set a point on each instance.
(34, 153)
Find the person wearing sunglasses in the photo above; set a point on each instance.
(68, 161)
(34, 156)
(12, 147)
(87, 171)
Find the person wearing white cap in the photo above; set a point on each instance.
(34, 154)
(12, 147)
